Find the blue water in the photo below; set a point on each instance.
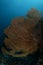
(10, 9)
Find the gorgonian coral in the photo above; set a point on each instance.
(21, 34)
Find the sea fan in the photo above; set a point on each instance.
(20, 35)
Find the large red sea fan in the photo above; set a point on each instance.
(20, 35)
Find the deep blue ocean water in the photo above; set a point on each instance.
(10, 9)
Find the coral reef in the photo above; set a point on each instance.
(24, 41)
